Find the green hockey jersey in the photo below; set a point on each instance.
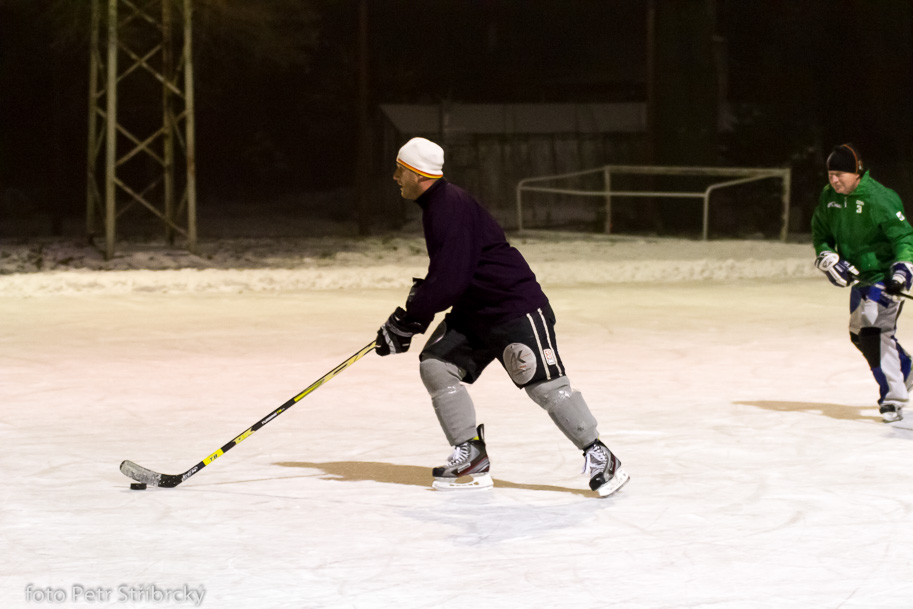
(867, 227)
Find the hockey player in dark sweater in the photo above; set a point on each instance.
(498, 311)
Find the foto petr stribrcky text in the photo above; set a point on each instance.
(122, 593)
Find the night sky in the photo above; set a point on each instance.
(277, 112)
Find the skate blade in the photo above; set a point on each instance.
(614, 485)
(471, 482)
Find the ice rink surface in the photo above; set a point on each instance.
(761, 474)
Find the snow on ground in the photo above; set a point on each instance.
(234, 265)
(720, 373)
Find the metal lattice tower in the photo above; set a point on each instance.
(150, 94)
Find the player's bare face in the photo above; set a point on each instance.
(409, 183)
(842, 182)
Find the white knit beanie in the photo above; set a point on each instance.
(422, 156)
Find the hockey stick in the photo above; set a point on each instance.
(901, 294)
(149, 477)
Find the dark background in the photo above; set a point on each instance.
(735, 83)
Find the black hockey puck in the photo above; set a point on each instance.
(138, 486)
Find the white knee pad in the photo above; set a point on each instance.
(452, 404)
(567, 409)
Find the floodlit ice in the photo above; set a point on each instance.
(721, 374)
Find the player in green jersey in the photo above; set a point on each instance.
(864, 241)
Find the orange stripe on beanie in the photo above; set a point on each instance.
(844, 158)
(422, 156)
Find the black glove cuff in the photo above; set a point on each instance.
(400, 321)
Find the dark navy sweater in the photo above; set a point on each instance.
(472, 267)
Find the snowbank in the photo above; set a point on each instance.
(263, 265)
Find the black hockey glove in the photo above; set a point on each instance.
(901, 278)
(395, 336)
(839, 271)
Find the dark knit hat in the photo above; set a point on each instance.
(845, 158)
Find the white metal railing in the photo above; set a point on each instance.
(746, 175)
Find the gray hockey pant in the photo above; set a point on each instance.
(873, 323)
(452, 404)
(567, 409)
(456, 412)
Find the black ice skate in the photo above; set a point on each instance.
(606, 475)
(467, 467)
(891, 412)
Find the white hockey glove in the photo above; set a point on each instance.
(839, 271)
(901, 279)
